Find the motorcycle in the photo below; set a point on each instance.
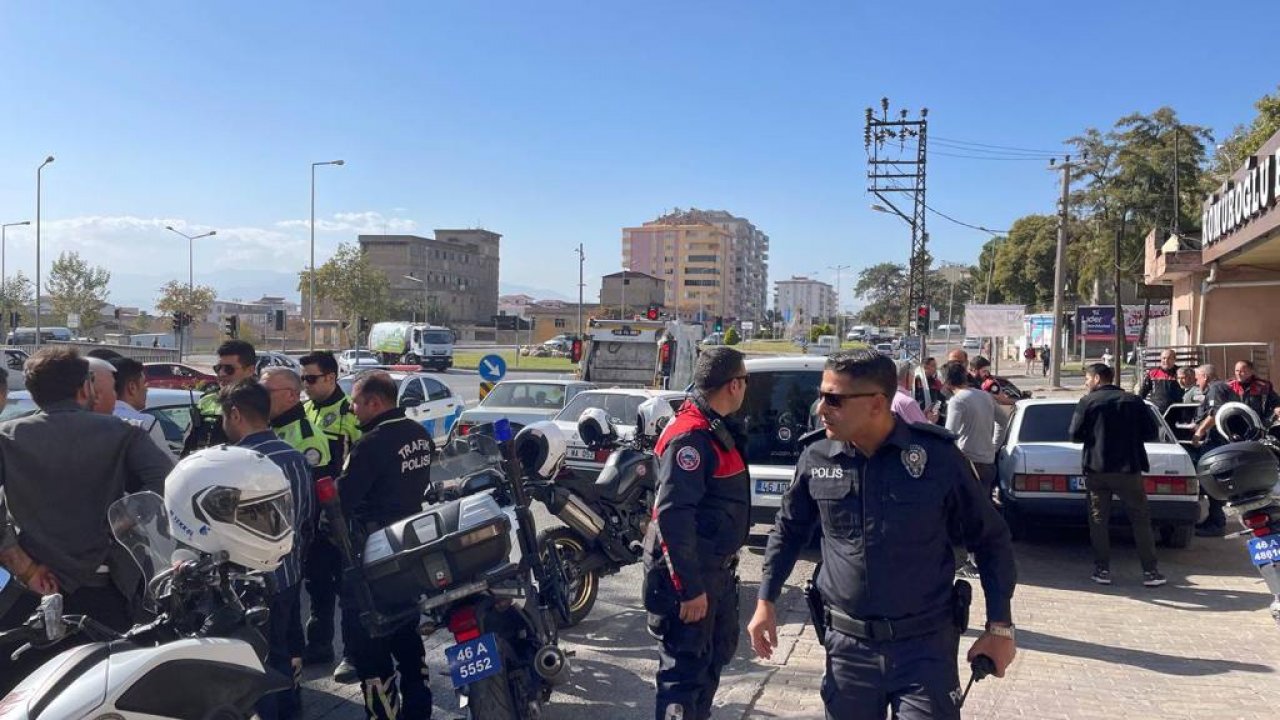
(1244, 475)
(468, 563)
(605, 519)
(202, 657)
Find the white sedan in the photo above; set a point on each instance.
(622, 406)
(425, 399)
(352, 361)
(1041, 480)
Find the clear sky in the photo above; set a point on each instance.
(555, 122)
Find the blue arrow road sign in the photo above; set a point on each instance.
(492, 368)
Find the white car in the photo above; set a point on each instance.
(274, 358)
(971, 344)
(1041, 480)
(622, 405)
(352, 361)
(425, 399)
(172, 407)
(885, 349)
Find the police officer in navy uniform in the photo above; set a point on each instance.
(701, 519)
(888, 497)
(1160, 385)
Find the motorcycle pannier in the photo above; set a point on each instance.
(1238, 471)
(445, 546)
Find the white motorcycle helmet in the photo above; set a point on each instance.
(232, 500)
(595, 429)
(652, 416)
(541, 449)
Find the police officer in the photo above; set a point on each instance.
(701, 519)
(329, 411)
(1255, 392)
(237, 360)
(888, 497)
(386, 475)
(289, 419)
(1161, 385)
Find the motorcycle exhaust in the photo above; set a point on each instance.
(578, 515)
(551, 664)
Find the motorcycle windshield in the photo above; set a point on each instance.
(140, 524)
(466, 456)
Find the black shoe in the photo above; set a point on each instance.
(1153, 579)
(317, 655)
(1210, 531)
(1102, 576)
(345, 673)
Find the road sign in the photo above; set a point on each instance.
(73, 321)
(748, 325)
(492, 368)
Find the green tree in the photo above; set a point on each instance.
(1024, 261)
(818, 331)
(179, 297)
(1244, 141)
(355, 287)
(884, 289)
(77, 287)
(731, 336)
(17, 293)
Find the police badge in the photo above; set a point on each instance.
(914, 458)
(328, 419)
(312, 456)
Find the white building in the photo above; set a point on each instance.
(802, 298)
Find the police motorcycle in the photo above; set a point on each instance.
(1243, 475)
(605, 519)
(226, 518)
(469, 563)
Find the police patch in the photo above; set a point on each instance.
(312, 455)
(784, 434)
(688, 459)
(914, 459)
(328, 419)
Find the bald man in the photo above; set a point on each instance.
(104, 386)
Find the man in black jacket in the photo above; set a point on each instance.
(1161, 385)
(1113, 425)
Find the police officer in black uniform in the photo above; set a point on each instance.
(889, 497)
(701, 519)
(386, 475)
(1160, 385)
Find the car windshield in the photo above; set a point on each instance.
(622, 408)
(526, 395)
(437, 337)
(1051, 422)
(776, 413)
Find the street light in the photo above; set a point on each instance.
(311, 279)
(39, 173)
(4, 278)
(423, 283)
(839, 313)
(191, 264)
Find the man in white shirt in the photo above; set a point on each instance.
(131, 399)
(971, 417)
(904, 403)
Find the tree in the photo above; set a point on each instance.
(77, 287)
(884, 288)
(1244, 141)
(179, 297)
(355, 287)
(731, 336)
(17, 293)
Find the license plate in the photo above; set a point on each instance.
(771, 487)
(473, 660)
(1076, 483)
(581, 454)
(1264, 551)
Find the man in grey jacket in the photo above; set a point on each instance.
(60, 469)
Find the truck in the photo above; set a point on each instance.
(640, 353)
(404, 343)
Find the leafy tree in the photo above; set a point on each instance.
(818, 331)
(1244, 141)
(355, 287)
(731, 336)
(179, 297)
(17, 293)
(884, 288)
(77, 287)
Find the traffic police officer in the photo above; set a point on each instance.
(329, 411)
(889, 497)
(237, 360)
(289, 419)
(1161, 385)
(701, 519)
(386, 475)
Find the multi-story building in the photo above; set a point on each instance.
(633, 290)
(800, 299)
(713, 263)
(453, 275)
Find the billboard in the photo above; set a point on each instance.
(1098, 322)
(993, 320)
(1039, 329)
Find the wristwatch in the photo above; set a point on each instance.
(1004, 631)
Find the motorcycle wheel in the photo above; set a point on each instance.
(490, 699)
(583, 586)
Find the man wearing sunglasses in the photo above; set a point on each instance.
(289, 419)
(237, 360)
(701, 519)
(887, 496)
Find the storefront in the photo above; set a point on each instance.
(1226, 289)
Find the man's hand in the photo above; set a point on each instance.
(42, 580)
(763, 630)
(35, 576)
(692, 611)
(1001, 650)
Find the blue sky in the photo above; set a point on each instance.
(555, 123)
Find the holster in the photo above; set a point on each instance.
(961, 599)
(817, 609)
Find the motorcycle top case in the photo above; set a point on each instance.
(1238, 470)
(444, 546)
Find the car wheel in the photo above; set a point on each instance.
(1177, 536)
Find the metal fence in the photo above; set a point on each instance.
(1223, 356)
(141, 354)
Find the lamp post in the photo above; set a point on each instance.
(191, 269)
(311, 274)
(423, 283)
(4, 277)
(839, 312)
(39, 180)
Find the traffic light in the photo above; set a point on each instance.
(15, 319)
(177, 322)
(652, 312)
(719, 326)
(233, 326)
(922, 319)
(364, 325)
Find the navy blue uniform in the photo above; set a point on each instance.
(701, 518)
(887, 560)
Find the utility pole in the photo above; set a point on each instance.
(1060, 270)
(839, 311)
(1119, 324)
(582, 258)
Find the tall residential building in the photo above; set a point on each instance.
(800, 298)
(453, 275)
(714, 263)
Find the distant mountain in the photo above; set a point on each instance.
(536, 293)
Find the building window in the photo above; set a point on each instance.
(559, 322)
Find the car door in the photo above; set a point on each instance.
(443, 407)
(413, 398)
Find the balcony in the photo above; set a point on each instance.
(1169, 259)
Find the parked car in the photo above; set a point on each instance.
(179, 376)
(971, 343)
(622, 405)
(171, 407)
(715, 338)
(521, 402)
(273, 358)
(15, 360)
(1041, 480)
(885, 349)
(351, 361)
(425, 399)
(561, 343)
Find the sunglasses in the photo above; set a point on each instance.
(835, 400)
(225, 369)
(313, 379)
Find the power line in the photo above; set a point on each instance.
(997, 147)
(1037, 158)
(965, 224)
(984, 151)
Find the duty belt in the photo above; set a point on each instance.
(884, 629)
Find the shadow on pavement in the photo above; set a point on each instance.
(1153, 661)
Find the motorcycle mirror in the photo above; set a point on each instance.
(257, 616)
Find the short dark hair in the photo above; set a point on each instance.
(242, 350)
(979, 362)
(1103, 372)
(322, 359)
(127, 371)
(929, 360)
(247, 396)
(377, 383)
(867, 365)
(4, 378)
(716, 366)
(955, 374)
(55, 374)
(103, 354)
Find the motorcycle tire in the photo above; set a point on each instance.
(491, 699)
(583, 586)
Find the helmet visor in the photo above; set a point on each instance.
(268, 517)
